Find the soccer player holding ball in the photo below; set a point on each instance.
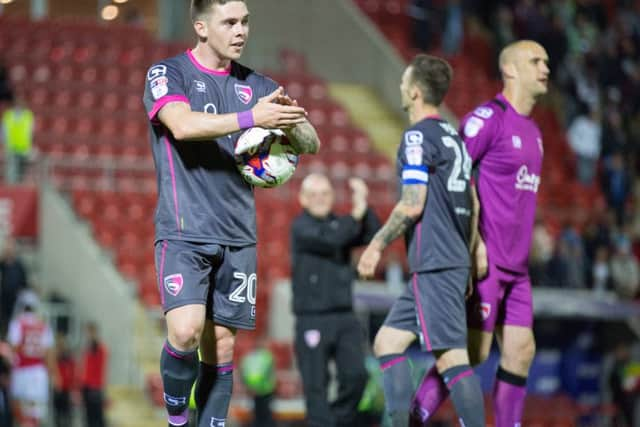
(435, 211)
(197, 103)
(506, 147)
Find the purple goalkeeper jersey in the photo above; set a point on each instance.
(506, 148)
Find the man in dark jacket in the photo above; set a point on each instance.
(322, 279)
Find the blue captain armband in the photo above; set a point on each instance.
(415, 174)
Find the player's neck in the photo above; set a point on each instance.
(521, 101)
(208, 58)
(421, 111)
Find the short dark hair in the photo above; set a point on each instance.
(433, 76)
(200, 7)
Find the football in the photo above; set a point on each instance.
(264, 157)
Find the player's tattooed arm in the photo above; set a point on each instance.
(304, 138)
(404, 214)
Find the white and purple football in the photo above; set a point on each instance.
(264, 157)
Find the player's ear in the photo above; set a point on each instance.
(201, 28)
(414, 92)
(509, 70)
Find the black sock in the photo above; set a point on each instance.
(213, 413)
(179, 370)
(398, 387)
(466, 394)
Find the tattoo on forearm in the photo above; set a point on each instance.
(395, 227)
(304, 138)
(411, 195)
(399, 221)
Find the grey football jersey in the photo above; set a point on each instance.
(432, 153)
(201, 195)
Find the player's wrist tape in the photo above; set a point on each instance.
(245, 119)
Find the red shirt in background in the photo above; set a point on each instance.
(94, 367)
(67, 371)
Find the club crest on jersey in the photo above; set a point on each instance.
(217, 422)
(173, 284)
(312, 338)
(413, 137)
(516, 141)
(244, 92)
(485, 310)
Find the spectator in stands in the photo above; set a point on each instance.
(6, 94)
(62, 395)
(322, 280)
(624, 397)
(13, 279)
(17, 135)
(94, 371)
(258, 373)
(6, 416)
(423, 21)
(584, 139)
(614, 137)
(504, 33)
(575, 258)
(616, 185)
(625, 271)
(600, 271)
(34, 368)
(453, 28)
(541, 253)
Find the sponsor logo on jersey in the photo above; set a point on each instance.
(174, 401)
(527, 181)
(253, 311)
(473, 126)
(483, 112)
(312, 338)
(200, 86)
(159, 87)
(244, 92)
(516, 141)
(217, 422)
(414, 155)
(413, 137)
(173, 284)
(485, 310)
(156, 71)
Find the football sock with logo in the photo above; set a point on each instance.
(466, 395)
(509, 393)
(179, 370)
(398, 387)
(429, 396)
(213, 413)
